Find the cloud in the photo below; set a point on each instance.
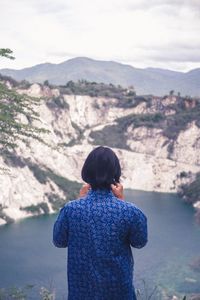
(182, 55)
(174, 4)
(143, 33)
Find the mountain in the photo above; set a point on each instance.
(146, 81)
(157, 140)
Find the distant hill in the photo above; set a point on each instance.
(146, 81)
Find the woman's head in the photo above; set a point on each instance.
(101, 168)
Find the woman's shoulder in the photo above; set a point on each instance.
(130, 207)
(125, 203)
(75, 202)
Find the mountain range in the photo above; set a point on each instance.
(145, 81)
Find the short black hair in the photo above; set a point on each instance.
(101, 168)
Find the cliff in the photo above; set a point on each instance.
(157, 140)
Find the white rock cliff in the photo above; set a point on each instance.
(146, 166)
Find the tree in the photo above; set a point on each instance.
(17, 113)
(13, 108)
(46, 82)
(70, 84)
(6, 52)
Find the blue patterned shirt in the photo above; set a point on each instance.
(98, 230)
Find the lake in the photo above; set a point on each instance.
(27, 255)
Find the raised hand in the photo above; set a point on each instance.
(118, 190)
(84, 190)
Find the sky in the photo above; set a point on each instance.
(142, 33)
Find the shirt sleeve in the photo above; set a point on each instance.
(138, 235)
(61, 229)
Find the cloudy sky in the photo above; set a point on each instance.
(143, 33)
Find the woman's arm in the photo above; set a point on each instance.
(138, 235)
(60, 229)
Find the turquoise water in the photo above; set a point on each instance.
(27, 255)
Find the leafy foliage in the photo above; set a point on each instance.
(6, 52)
(13, 108)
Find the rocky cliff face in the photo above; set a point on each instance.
(39, 178)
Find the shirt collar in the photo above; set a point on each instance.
(100, 192)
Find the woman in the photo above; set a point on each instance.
(98, 228)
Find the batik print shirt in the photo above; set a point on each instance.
(98, 231)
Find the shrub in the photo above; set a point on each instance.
(183, 174)
(57, 102)
(191, 192)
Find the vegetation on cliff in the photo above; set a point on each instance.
(70, 188)
(114, 135)
(171, 125)
(94, 89)
(190, 192)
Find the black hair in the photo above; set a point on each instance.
(101, 168)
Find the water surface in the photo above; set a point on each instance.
(28, 256)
